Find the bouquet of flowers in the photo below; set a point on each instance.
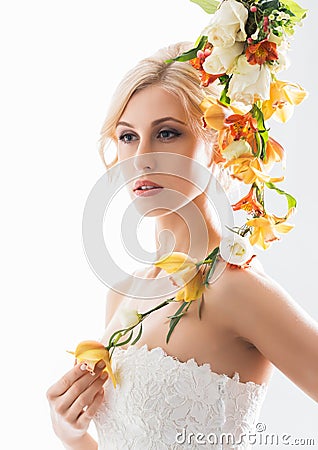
(243, 48)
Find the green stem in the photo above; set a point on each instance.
(120, 333)
(166, 302)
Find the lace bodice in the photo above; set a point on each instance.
(163, 403)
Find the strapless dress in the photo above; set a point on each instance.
(162, 403)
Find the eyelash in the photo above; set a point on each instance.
(174, 132)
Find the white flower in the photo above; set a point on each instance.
(228, 24)
(235, 149)
(254, 36)
(282, 63)
(276, 39)
(222, 59)
(128, 317)
(249, 82)
(236, 249)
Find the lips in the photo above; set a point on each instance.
(145, 185)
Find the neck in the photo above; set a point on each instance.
(192, 229)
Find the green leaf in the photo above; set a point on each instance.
(213, 254)
(210, 271)
(297, 10)
(209, 6)
(112, 339)
(192, 53)
(262, 134)
(175, 316)
(224, 79)
(270, 4)
(174, 321)
(126, 341)
(138, 336)
(291, 201)
(224, 99)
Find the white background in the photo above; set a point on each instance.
(61, 61)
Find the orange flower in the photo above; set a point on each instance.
(266, 229)
(274, 152)
(283, 98)
(249, 169)
(261, 52)
(197, 63)
(242, 125)
(230, 126)
(214, 113)
(90, 352)
(250, 203)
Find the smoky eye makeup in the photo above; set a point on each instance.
(127, 137)
(167, 132)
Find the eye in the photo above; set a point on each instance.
(168, 134)
(127, 138)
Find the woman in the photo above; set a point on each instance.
(213, 374)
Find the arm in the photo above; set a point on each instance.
(263, 313)
(115, 295)
(85, 443)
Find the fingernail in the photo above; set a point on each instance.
(83, 367)
(101, 364)
(104, 375)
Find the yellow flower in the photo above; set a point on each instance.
(249, 169)
(266, 229)
(185, 274)
(193, 289)
(90, 352)
(283, 98)
(175, 262)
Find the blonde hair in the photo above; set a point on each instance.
(178, 78)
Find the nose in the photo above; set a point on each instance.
(144, 157)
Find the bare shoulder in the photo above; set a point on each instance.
(246, 296)
(118, 292)
(243, 286)
(260, 311)
(115, 296)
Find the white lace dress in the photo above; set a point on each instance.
(163, 403)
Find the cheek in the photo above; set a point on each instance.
(125, 151)
(202, 153)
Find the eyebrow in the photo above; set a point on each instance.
(154, 123)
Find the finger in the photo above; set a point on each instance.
(67, 380)
(65, 401)
(85, 399)
(86, 416)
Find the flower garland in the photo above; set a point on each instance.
(243, 48)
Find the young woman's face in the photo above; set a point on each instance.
(154, 131)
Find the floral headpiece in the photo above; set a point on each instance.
(242, 49)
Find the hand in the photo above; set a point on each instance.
(74, 400)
